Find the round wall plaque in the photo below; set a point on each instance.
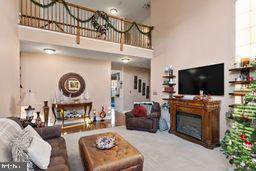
(72, 84)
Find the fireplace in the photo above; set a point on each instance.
(189, 124)
(196, 121)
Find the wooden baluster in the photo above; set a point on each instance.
(78, 28)
(122, 36)
(21, 12)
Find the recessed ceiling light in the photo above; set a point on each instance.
(125, 60)
(113, 11)
(49, 51)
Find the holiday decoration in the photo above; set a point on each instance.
(239, 142)
(93, 19)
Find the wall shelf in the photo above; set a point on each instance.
(241, 82)
(169, 88)
(237, 94)
(243, 69)
(171, 76)
(172, 92)
(173, 84)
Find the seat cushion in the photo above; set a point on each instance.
(139, 122)
(58, 148)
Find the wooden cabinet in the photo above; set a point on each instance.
(209, 114)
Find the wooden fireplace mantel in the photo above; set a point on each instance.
(209, 112)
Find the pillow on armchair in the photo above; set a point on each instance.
(139, 111)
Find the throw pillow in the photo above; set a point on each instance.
(9, 130)
(163, 125)
(40, 152)
(139, 111)
(32, 131)
(20, 144)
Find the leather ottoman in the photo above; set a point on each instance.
(121, 157)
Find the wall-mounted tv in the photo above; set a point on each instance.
(210, 79)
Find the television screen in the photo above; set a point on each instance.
(210, 79)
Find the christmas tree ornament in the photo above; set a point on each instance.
(247, 145)
(243, 137)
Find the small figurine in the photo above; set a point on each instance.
(102, 114)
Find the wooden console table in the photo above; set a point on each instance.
(62, 106)
(207, 111)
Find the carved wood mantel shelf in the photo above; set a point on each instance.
(207, 111)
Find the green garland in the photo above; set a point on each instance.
(93, 19)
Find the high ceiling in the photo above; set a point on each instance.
(135, 10)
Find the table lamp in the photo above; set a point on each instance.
(29, 99)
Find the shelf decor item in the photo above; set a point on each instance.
(102, 114)
(168, 82)
(46, 112)
(105, 143)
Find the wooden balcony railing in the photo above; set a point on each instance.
(61, 16)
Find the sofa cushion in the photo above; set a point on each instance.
(9, 130)
(139, 111)
(19, 145)
(40, 152)
(147, 105)
(58, 148)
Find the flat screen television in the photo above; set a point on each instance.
(210, 79)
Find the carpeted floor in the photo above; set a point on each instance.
(162, 151)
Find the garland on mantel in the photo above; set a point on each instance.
(93, 19)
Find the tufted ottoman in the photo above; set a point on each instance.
(121, 157)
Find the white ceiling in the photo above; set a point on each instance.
(129, 9)
(88, 54)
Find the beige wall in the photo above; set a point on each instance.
(130, 95)
(190, 34)
(9, 59)
(41, 73)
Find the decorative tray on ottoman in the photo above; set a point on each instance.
(105, 142)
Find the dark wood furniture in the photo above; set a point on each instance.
(208, 111)
(61, 107)
(123, 156)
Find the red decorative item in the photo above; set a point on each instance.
(254, 93)
(139, 111)
(243, 137)
(247, 145)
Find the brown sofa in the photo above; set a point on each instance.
(59, 157)
(149, 123)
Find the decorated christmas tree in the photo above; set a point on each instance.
(239, 143)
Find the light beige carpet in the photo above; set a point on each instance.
(162, 151)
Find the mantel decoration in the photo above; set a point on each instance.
(105, 142)
(94, 19)
(72, 85)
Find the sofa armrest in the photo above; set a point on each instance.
(129, 115)
(154, 115)
(49, 132)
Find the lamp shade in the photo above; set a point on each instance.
(29, 99)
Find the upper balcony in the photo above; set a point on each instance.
(82, 22)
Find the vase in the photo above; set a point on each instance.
(38, 120)
(102, 114)
(46, 112)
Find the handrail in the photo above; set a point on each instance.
(57, 18)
